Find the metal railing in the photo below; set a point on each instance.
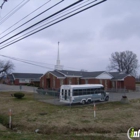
(44, 94)
(122, 90)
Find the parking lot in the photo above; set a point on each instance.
(55, 100)
(112, 97)
(4, 87)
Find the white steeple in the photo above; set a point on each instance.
(58, 59)
(58, 66)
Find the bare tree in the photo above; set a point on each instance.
(125, 62)
(5, 68)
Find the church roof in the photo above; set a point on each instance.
(57, 74)
(80, 73)
(84, 74)
(118, 75)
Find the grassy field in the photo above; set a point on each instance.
(112, 121)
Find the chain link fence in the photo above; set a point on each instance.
(119, 90)
(48, 96)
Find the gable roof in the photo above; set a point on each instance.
(118, 75)
(86, 75)
(92, 74)
(69, 73)
(10, 77)
(34, 76)
(57, 74)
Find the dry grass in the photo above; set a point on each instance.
(113, 118)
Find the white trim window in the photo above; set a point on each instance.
(53, 82)
(101, 81)
(69, 81)
(42, 83)
(113, 84)
(86, 81)
(105, 83)
(78, 81)
(61, 82)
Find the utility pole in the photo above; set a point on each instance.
(3, 3)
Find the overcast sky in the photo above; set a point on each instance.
(86, 40)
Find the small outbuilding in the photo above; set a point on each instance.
(24, 78)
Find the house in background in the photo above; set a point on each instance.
(24, 78)
(121, 80)
(9, 79)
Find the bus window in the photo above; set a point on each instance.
(68, 92)
(74, 92)
(102, 88)
(62, 91)
(88, 91)
(84, 92)
(65, 91)
(80, 92)
(92, 91)
(97, 91)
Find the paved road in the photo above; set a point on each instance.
(130, 95)
(4, 87)
(113, 97)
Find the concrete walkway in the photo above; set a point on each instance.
(4, 87)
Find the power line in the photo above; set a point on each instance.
(14, 11)
(3, 3)
(61, 16)
(58, 18)
(29, 61)
(54, 23)
(41, 21)
(25, 17)
(32, 19)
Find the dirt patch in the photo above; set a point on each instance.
(2, 128)
(29, 115)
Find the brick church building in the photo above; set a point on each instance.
(111, 80)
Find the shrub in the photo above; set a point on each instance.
(3, 120)
(124, 96)
(19, 95)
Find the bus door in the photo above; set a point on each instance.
(98, 94)
(65, 94)
(69, 97)
(94, 95)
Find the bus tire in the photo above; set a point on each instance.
(107, 98)
(83, 102)
(89, 101)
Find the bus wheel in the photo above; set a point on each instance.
(107, 98)
(89, 101)
(83, 102)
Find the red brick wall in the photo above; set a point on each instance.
(129, 83)
(43, 79)
(73, 81)
(93, 81)
(97, 81)
(16, 82)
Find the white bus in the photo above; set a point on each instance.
(85, 93)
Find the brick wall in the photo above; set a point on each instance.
(16, 82)
(129, 83)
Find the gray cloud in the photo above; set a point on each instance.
(86, 40)
(123, 29)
